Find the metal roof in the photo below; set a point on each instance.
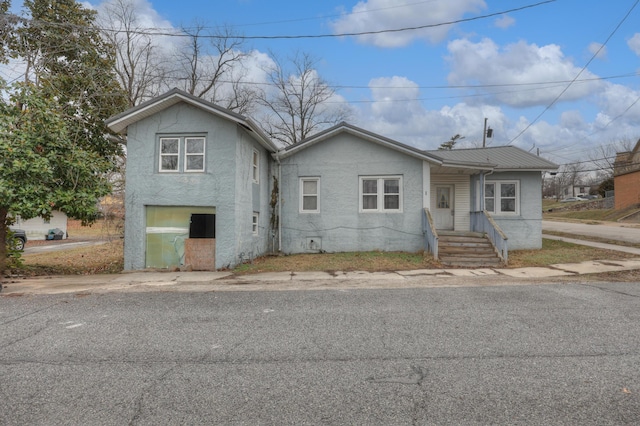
(503, 158)
(361, 133)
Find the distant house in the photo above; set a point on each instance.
(206, 187)
(626, 176)
(37, 228)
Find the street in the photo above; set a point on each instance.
(627, 232)
(522, 354)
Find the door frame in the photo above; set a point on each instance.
(440, 213)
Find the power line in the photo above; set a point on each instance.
(577, 75)
(173, 33)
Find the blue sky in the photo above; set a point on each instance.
(406, 85)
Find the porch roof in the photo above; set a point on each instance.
(499, 158)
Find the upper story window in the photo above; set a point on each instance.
(194, 155)
(502, 197)
(172, 158)
(255, 166)
(169, 154)
(310, 195)
(381, 194)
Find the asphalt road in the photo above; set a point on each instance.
(627, 232)
(535, 355)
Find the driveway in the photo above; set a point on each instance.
(621, 232)
(61, 245)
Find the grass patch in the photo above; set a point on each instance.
(554, 251)
(105, 258)
(372, 261)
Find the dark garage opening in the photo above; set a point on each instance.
(202, 226)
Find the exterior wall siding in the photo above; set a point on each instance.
(627, 189)
(215, 187)
(524, 231)
(339, 226)
(36, 228)
(462, 220)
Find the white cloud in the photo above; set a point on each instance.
(517, 69)
(505, 21)
(634, 43)
(380, 15)
(598, 49)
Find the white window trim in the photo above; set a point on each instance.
(497, 198)
(203, 153)
(255, 224)
(160, 155)
(380, 194)
(255, 166)
(302, 195)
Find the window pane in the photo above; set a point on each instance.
(369, 186)
(442, 195)
(489, 204)
(391, 186)
(508, 190)
(309, 187)
(169, 162)
(369, 202)
(170, 146)
(391, 202)
(195, 146)
(489, 190)
(195, 162)
(309, 202)
(508, 205)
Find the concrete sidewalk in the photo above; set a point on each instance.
(226, 281)
(605, 246)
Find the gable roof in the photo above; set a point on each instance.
(361, 133)
(119, 123)
(503, 158)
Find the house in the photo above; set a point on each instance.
(198, 184)
(343, 189)
(37, 228)
(626, 178)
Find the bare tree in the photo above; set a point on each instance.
(297, 104)
(604, 156)
(139, 65)
(211, 66)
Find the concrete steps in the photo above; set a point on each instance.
(467, 249)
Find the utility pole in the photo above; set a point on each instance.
(486, 133)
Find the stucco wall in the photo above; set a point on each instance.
(340, 227)
(213, 188)
(251, 197)
(627, 189)
(525, 229)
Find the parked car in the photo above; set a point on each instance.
(20, 238)
(591, 197)
(572, 199)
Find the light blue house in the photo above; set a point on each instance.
(206, 188)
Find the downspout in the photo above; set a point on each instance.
(279, 204)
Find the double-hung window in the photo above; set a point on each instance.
(194, 155)
(255, 166)
(169, 154)
(502, 197)
(310, 195)
(182, 154)
(255, 220)
(381, 194)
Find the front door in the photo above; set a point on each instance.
(444, 209)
